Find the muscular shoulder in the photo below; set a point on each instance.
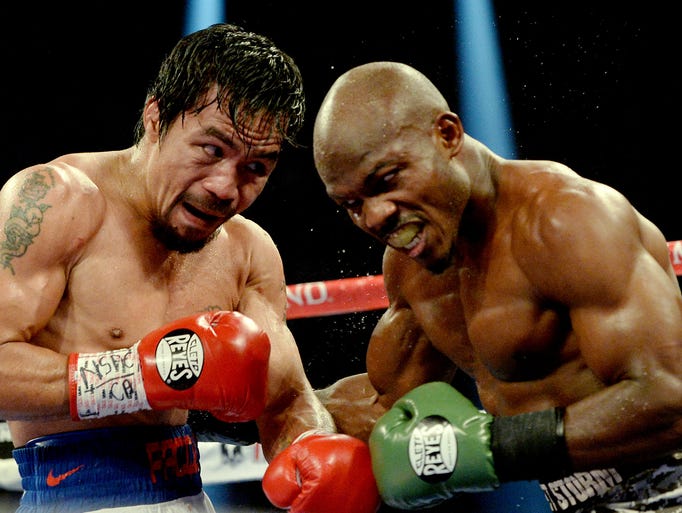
(402, 277)
(57, 186)
(568, 230)
(261, 256)
(53, 206)
(254, 240)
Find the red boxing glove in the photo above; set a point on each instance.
(323, 473)
(216, 361)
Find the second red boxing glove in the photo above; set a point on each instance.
(215, 361)
(323, 473)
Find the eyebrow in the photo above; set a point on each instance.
(368, 182)
(365, 186)
(254, 152)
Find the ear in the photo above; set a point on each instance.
(150, 118)
(449, 130)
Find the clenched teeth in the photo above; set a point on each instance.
(405, 236)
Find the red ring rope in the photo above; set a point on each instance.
(349, 295)
(675, 248)
(346, 295)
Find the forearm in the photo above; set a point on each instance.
(629, 423)
(621, 426)
(39, 382)
(284, 421)
(354, 404)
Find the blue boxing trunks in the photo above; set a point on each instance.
(81, 471)
(657, 489)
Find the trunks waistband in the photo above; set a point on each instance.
(649, 489)
(109, 467)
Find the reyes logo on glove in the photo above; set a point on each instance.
(180, 358)
(433, 449)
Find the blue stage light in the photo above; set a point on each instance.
(200, 14)
(484, 106)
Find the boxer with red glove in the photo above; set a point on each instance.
(323, 473)
(215, 361)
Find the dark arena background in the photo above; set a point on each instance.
(593, 85)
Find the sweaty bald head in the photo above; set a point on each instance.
(366, 108)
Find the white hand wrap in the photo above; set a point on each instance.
(106, 383)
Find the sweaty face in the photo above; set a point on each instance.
(206, 172)
(403, 191)
(386, 146)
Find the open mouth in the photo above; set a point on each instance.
(201, 215)
(405, 237)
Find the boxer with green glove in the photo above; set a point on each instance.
(544, 288)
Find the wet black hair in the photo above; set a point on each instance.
(254, 79)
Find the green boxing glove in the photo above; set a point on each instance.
(435, 443)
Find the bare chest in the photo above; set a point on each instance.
(114, 297)
(490, 323)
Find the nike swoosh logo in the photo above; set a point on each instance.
(53, 480)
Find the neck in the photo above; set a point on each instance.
(479, 214)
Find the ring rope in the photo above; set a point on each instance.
(365, 293)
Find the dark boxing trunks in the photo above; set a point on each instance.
(605, 491)
(111, 467)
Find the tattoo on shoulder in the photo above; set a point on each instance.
(26, 216)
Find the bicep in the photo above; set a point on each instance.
(592, 252)
(29, 300)
(36, 247)
(264, 300)
(286, 368)
(400, 356)
(637, 331)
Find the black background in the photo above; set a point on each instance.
(591, 86)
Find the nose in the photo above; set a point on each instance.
(223, 183)
(376, 212)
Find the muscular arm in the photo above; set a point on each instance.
(399, 358)
(42, 236)
(293, 407)
(611, 268)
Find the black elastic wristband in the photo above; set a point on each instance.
(207, 428)
(530, 446)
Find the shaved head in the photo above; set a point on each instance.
(367, 106)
